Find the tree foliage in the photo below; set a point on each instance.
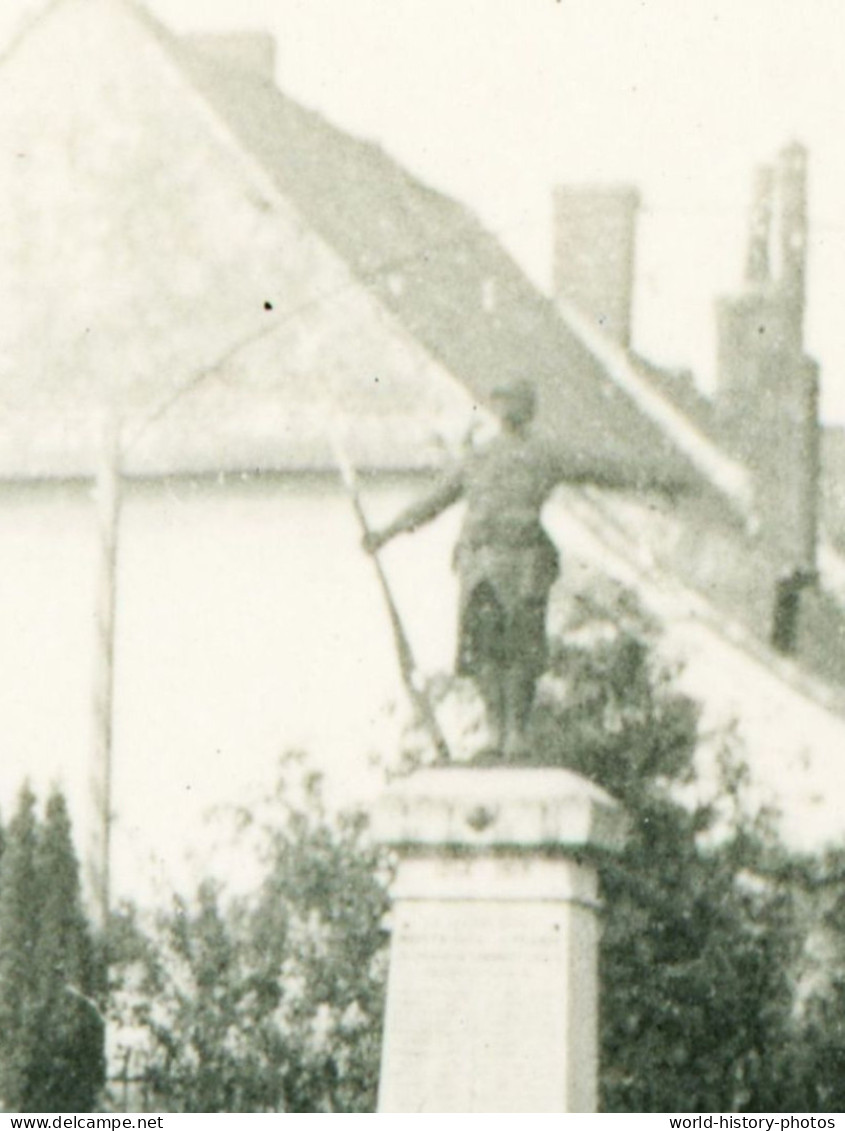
(273, 1002)
(69, 1069)
(18, 936)
(704, 936)
(722, 960)
(51, 1029)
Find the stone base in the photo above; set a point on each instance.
(492, 991)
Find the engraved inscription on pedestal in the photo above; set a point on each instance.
(478, 1009)
(492, 991)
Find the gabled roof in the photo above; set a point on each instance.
(445, 285)
(146, 269)
(431, 263)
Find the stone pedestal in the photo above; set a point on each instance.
(492, 990)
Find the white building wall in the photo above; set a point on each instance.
(249, 623)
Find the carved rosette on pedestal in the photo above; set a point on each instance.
(492, 1002)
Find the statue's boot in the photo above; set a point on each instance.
(488, 680)
(514, 746)
(518, 699)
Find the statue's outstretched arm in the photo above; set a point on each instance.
(618, 475)
(447, 491)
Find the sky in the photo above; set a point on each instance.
(496, 101)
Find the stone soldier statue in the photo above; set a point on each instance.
(506, 562)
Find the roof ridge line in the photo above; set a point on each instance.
(171, 48)
(32, 19)
(26, 26)
(730, 478)
(705, 613)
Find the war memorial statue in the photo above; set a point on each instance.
(505, 560)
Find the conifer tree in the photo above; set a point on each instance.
(69, 1070)
(51, 1031)
(18, 935)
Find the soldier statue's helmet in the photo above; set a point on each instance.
(516, 398)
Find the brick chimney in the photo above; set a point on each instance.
(250, 51)
(594, 247)
(792, 175)
(758, 269)
(768, 389)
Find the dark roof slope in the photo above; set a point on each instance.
(448, 280)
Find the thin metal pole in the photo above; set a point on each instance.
(107, 491)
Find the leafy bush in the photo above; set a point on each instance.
(700, 945)
(711, 996)
(272, 1002)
